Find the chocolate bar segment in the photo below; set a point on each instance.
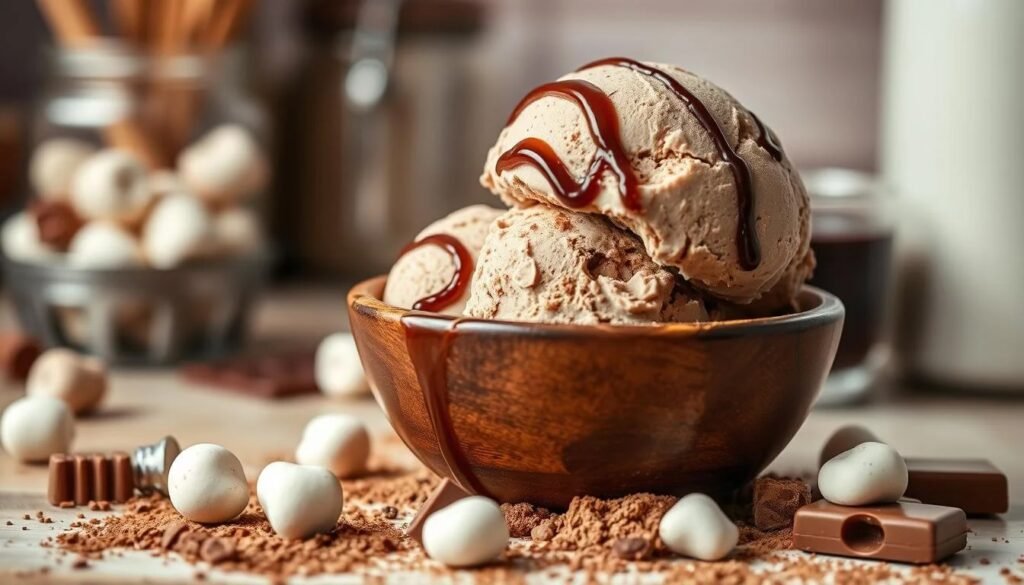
(83, 484)
(123, 477)
(903, 532)
(973, 485)
(446, 494)
(81, 479)
(62, 480)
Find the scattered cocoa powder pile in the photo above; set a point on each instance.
(404, 490)
(776, 501)
(592, 523)
(523, 518)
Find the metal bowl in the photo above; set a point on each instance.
(140, 315)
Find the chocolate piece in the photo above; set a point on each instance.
(973, 485)
(83, 482)
(777, 500)
(444, 495)
(57, 222)
(171, 534)
(17, 354)
(270, 376)
(632, 548)
(903, 532)
(62, 480)
(102, 478)
(123, 477)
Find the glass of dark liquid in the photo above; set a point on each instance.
(852, 238)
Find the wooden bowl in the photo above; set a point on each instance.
(528, 412)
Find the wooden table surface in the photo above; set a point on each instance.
(145, 404)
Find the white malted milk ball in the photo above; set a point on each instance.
(111, 184)
(338, 442)
(224, 166)
(179, 229)
(104, 245)
(337, 367)
(470, 532)
(207, 485)
(80, 381)
(237, 232)
(870, 473)
(34, 427)
(20, 240)
(299, 500)
(696, 527)
(54, 164)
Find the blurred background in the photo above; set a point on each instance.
(376, 116)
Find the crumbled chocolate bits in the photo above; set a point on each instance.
(632, 549)
(389, 512)
(777, 500)
(171, 533)
(523, 518)
(594, 523)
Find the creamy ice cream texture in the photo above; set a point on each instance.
(688, 194)
(638, 191)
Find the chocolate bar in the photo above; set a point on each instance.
(80, 479)
(903, 532)
(270, 376)
(444, 495)
(975, 486)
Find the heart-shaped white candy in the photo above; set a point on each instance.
(470, 532)
(870, 473)
(299, 500)
(338, 442)
(696, 527)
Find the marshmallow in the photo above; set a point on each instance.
(79, 381)
(299, 500)
(54, 164)
(870, 473)
(111, 185)
(237, 231)
(696, 527)
(20, 240)
(224, 166)
(338, 369)
(104, 245)
(338, 442)
(470, 532)
(207, 485)
(179, 229)
(35, 427)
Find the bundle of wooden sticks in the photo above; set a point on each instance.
(167, 108)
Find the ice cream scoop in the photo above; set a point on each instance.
(669, 156)
(434, 272)
(549, 264)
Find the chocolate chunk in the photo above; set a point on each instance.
(102, 478)
(83, 483)
(632, 549)
(17, 354)
(444, 495)
(217, 550)
(171, 534)
(57, 223)
(903, 532)
(973, 485)
(777, 500)
(62, 480)
(269, 376)
(390, 512)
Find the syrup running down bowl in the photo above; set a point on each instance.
(540, 413)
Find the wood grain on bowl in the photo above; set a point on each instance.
(541, 413)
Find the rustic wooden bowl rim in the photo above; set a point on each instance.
(822, 308)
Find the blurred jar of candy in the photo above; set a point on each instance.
(852, 238)
(140, 240)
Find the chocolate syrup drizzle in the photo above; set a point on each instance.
(767, 139)
(746, 233)
(460, 279)
(603, 123)
(428, 339)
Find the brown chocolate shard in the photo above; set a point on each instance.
(17, 354)
(268, 376)
(903, 532)
(777, 500)
(973, 485)
(444, 495)
(62, 480)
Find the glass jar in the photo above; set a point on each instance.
(852, 237)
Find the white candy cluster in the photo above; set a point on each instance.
(137, 217)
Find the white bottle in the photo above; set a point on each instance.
(952, 147)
